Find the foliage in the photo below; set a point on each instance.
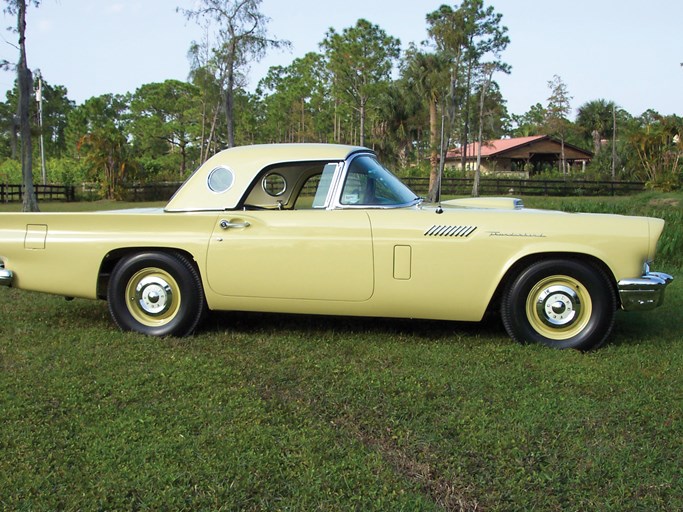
(99, 129)
(296, 101)
(163, 128)
(240, 37)
(659, 148)
(472, 38)
(360, 60)
(596, 119)
(531, 122)
(10, 172)
(559, 107)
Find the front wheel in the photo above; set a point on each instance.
(156, 293)
(560, 303)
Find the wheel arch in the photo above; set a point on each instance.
(113, 257)
(518, 266)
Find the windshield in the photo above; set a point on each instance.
(368, 183)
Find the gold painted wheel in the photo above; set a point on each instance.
(153, 297)
(561, 303)
(559, 307)
(156, 293)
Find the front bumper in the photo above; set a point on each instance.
(645, 292)
(6, 276)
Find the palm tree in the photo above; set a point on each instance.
(595, 118)
(428, 74)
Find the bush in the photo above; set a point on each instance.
(66, 171)
(10, 172)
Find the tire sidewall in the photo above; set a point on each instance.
(595, 282)
(190, 292)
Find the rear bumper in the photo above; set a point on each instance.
(645, 292)
(6, 276)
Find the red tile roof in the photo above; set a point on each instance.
(495, 146)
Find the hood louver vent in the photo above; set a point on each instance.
(454, 231)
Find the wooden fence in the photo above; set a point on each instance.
(455, 186)
(449, 186)
(524, 187)
(14, 193)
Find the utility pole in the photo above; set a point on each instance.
(614, 141)
(39, 98)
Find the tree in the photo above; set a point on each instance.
(531, 122)
(658, 143)
(360, 60)
(25, 80)
(486, 83)
(203, 75)
(163, 123)
(427, 73)
(468, 36)
(557, 111)
(56, 108)
(595, 118)
(297, 100)
(98, 131)
(240, 37)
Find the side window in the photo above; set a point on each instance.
(315, 191)
(368, 183)
(323, 188)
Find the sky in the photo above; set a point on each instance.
(626, 51)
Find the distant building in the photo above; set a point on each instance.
(520, 156)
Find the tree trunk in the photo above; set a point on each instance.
(363, 101)
(477, 172)
(564, 162)
(29, 201)
(229, 108)
(596, 141)
(466, 123)
(433, 144)
(230, 92)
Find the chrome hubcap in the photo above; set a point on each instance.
(558, 306)
(153, 295)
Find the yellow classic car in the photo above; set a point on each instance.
(326, 229)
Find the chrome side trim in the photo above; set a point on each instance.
(645, 292)
(6, 276)
(454, 231)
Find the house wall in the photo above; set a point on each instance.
(500, 167)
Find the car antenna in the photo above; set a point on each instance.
(439, 209)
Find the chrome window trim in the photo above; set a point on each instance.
(335, 202)
(213, 172)
(272, 174)
(334, 183)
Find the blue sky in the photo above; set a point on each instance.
(624, 51)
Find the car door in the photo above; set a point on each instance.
(292, 254)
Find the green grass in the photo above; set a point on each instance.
(284, 412)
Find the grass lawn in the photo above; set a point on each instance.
(284, 412)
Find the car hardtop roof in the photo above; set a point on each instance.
(245, 163)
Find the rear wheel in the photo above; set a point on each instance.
(560, 303)
(156, 293)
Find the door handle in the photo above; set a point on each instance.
(227, 224)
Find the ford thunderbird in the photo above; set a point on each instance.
(326, 229)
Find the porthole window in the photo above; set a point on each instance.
(220, 179)
(274, 184)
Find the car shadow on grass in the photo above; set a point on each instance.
(278, 323)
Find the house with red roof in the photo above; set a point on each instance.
(519, 156)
